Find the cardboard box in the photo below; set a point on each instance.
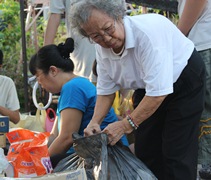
(4, 124)
(4, 128)
(79, 174)
(2, 140)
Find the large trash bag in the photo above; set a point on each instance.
(90, 152)
(93, 150)
(105, 162)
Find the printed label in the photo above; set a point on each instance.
(46, 162)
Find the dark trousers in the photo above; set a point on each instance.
(167, 142)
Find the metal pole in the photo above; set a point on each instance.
(24, 57)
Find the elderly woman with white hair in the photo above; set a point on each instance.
(149, 54)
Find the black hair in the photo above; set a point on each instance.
(52, 55)
(1, 57)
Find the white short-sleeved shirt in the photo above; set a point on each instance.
(200, 33)
(84, 53)
(155, 54)
(8, 94)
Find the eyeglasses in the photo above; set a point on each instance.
(97, 38)
(39, 75)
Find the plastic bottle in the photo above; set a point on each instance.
(3, 162)
(9, 171)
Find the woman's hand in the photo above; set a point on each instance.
(116, 130)
(102, 107)
(92, 128)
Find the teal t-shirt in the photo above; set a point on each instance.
(79, 93)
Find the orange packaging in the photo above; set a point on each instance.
(28, 153)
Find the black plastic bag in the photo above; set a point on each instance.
(71, 162)
(90, 152)
(93, 150)
(105, 162)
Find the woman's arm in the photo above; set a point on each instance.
(52, 27)
(14, 116)
(70, 123)
(144, 110)
(192, 11)
(102, 107)
(54, 132)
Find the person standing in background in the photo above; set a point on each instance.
(84, 53)
(195, 23)
(9, 103)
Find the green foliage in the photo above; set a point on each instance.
(11, 43)
(10, 34)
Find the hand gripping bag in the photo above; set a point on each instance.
(105, 162)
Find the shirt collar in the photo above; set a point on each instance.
(129, 35)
